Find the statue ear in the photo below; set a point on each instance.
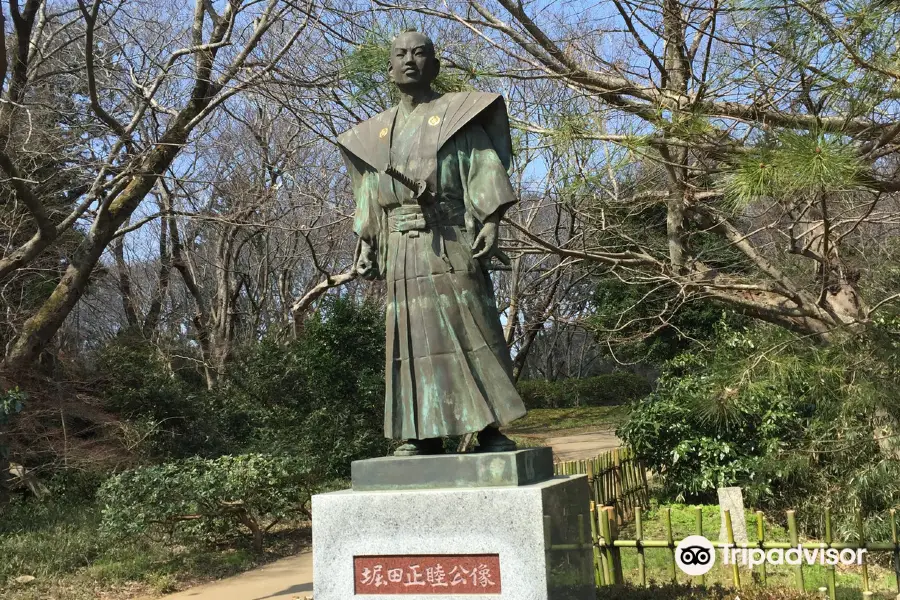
(437, 67)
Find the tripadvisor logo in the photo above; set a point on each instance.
(797, 555)
(695, 555)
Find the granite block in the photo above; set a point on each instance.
(489, 469)
(507, 521)
(732, 500)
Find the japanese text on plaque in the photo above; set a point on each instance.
(430, 574)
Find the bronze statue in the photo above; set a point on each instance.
(430, 179)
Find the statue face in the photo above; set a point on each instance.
(412, 60)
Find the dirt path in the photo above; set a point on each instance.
(286, 579)
(583, 445)
(291, 578)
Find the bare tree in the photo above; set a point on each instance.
(738, 123)
(150, 87)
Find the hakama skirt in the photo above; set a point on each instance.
(448, 370)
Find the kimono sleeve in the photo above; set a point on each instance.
(486, 182)
(369, 216)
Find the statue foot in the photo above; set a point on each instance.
(491, 440)
(421, 447)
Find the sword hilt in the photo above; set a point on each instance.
(407, 181)
(418, 187)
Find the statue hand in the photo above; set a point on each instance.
(366, 266)
(484, 244)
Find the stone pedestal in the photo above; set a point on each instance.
(496, 529)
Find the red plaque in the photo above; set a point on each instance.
(447, 574)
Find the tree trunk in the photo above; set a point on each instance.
(151, 320)
(533, 328)
(257, 533)
(675, 82)
(201, 317)
(513, 313)
(300, 308)
(124, 281)
(43, 325)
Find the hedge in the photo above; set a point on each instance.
(602, 390)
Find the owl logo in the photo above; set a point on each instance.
(695, 555)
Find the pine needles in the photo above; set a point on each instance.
(795, 164)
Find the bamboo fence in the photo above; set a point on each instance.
(616, 478)
(618, 486)
(608, 546)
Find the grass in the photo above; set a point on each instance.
(58, 543)
(683, 591)
(539, 424)
(542, 421)
(658, 560)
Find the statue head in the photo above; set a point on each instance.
(413, 64)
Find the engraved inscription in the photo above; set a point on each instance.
(438, 574)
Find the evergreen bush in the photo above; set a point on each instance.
(169, 409)
(199, 499)
(321, 395)
(796, 424)
(602, 390)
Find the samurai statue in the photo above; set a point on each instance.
(430, 181)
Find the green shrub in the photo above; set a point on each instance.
(321, 395)
(699, 437)
(629, 315)
(602, 390)
(796, 424)
(76, 486)
(202, 499)
(11, 403)
(170, 410)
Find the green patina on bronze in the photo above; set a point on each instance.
(448, 370)
(501, 469)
